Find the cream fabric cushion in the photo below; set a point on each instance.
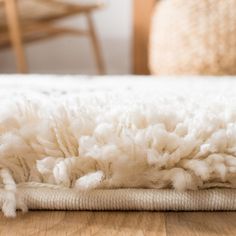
(34, 10)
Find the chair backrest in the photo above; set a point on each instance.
(47, 9)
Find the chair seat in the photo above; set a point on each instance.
(41, 10)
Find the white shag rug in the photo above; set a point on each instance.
(63, 137)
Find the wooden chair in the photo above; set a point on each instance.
(30, 20)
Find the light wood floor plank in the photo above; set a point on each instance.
(45, 223)
(201, 223)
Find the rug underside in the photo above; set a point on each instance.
(39, 197)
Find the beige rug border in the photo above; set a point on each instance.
(54, 198)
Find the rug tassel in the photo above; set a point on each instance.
(11, 202)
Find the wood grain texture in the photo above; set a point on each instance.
(142, 12)
(201, 223)
(44, 223)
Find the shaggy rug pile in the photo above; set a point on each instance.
(63, 137)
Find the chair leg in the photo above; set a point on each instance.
(15, 35)
(95, 44)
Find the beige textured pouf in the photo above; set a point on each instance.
(194, 37)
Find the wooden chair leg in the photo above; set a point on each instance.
(95, 44)
(15, 35)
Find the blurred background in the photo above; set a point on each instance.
(160, 37)
(72, 54)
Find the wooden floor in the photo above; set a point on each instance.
(119, 223)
